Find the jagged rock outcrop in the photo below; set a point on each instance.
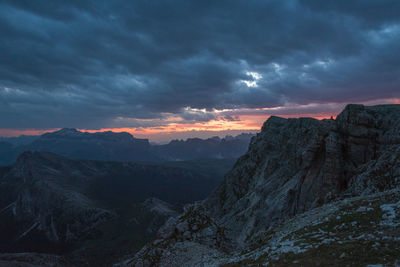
(292, 166)
(159, 207)
(160, 210)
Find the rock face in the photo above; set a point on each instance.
(51, 204)
(292, 166)
(46, 198)
(160, 210)
(159, 207)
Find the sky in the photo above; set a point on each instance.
(181, 68)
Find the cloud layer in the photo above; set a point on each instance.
(109, 64)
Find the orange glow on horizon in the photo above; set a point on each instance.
(247, 120)
(246, 123)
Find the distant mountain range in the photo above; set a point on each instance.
(215, 147)
(95, 197)
(20, 140)
(123, 146)
(307, 192)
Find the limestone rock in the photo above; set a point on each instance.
(293, 166)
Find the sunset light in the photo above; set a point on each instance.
(199, 133)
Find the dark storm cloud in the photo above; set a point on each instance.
(87, 63)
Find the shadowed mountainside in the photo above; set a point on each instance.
(299, 175)
(94, 211)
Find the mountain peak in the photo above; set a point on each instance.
(63, 132)
(293, 166)
(67, 131)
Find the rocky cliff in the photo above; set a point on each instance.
(293, 167)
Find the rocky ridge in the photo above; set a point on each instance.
(71, 143)
(296, 169)
(122, 146)
(195, 148)
(45, 198)
(85, 209)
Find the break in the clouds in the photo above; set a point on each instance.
(106, 64)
